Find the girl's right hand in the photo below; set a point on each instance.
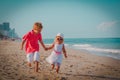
(46, 49)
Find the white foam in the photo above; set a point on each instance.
(51, 44)
(104, 50)
(66, 44)
(92, 48)
(48, 44)
(82, 45)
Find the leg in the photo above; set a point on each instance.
(53, 66)
(36, 60)
(29, 59)
(36, 66)
(29, 64)
(57, 67)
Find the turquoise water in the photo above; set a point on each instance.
(109, 47)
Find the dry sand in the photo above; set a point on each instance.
(78, 66)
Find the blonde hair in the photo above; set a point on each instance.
(38, 24)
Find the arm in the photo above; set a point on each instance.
(22, 44)
(64, 51)
(24, 38)
(43, 45)
(50, 47)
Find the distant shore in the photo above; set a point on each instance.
(78, 66)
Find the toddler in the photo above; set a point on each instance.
(56, 57)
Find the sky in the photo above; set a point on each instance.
(73, 18)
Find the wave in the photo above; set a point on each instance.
(48, 44)
(66, 44)
(82, 45)
(92, 48)
(51, 44)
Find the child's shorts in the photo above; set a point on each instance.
(35, 56)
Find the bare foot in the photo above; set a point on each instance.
(53, 66)
(36, 66)
(57, 70)
(29, 64)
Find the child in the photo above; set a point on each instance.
(56, 56)
(32, 46)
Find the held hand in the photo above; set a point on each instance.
(65, 56)
(46, 49)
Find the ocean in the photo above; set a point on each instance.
(109, 47)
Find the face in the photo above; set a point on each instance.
(37, 29)
(59, 39)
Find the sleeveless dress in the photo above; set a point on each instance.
(56, 55)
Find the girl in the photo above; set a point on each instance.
(56, 56)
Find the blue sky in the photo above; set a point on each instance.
(74, 18)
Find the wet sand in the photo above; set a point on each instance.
(78, 66)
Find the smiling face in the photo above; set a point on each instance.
(59, 39)
(37, 28)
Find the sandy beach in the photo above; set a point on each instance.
(78, 66)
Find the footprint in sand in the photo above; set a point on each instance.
(103, 65)
(32, 77)
(71, 65)
(6, 67)
(63, 78)
(89, 72)
(93, 66)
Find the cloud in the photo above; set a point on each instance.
(106, 25)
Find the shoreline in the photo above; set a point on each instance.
(103, 54)
(78, 65)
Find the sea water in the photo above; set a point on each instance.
(109, 47)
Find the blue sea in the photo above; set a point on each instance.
(109, 47)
